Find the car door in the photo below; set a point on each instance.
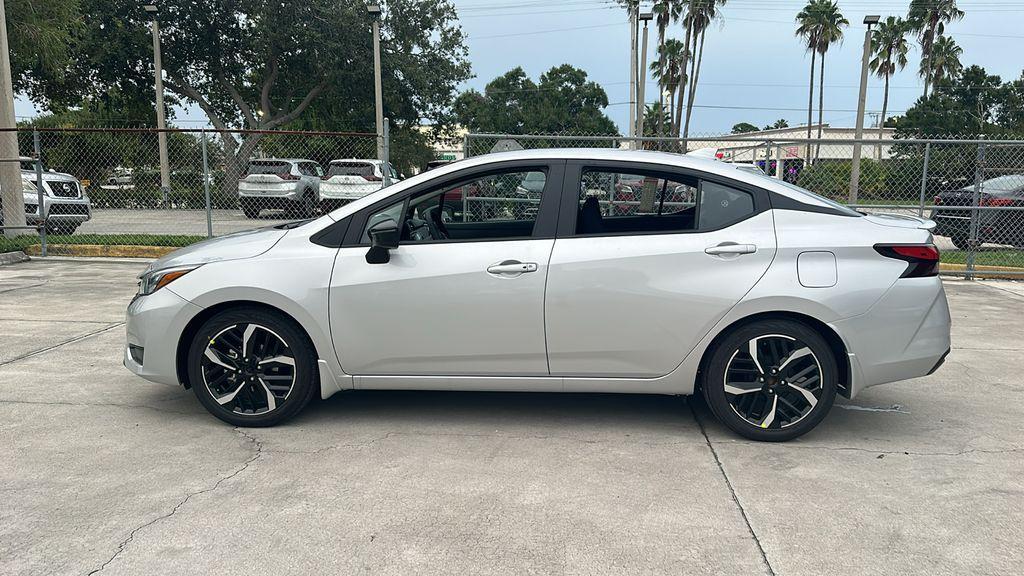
(468, 304)
(634, 284)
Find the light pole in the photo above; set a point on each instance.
(631, 129)
(861, 102)
(645, 18)
(161, 122)
(10, 172)
(374, 10)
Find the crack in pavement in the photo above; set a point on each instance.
(99, 404)
(257, 444)
(732, 491)
(59, 344)
(6, 290)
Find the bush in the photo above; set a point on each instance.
(832, 179)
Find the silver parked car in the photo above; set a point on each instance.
(763, 297)
(290, 184)
(65, 203)
(351, 179)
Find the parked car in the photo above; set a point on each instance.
(290, 184)
(996, 226)
(351, 179)
(763, 297)
(65, 203)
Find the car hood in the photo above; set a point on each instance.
(236, 246)
(49, 176)
(901, 221)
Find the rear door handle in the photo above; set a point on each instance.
(731, 248)
(512, 268)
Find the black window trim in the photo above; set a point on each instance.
(544, 226)
(574, 173)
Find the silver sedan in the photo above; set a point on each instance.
(634, 272)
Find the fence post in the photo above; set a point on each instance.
(972, 240)
(43, 213)
(767, 155)
(386, 160)
(465, 146)
(924, 177)
(206, 187)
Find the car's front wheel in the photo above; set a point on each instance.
(771, 380)
(252, 367)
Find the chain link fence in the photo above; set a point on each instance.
(972, 187)
(109, 187)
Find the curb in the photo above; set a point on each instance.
(13, 257)
(995, 272)
(101, 251)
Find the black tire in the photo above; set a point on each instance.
(249, 403)
(776, 401)
(62, 228)
(250, 209)
(306, 206)
(960, 241)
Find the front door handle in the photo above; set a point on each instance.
(731, 248)
(512, 268)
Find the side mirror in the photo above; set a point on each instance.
(384, 236)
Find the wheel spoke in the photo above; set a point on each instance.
(222, 400)
(214, 357)
(271, 399)
(752, 350)
(771, 413)
(245, 338)
(736, 388)
(279, 360)
(807, 394)
(794, 355)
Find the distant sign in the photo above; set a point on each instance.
(506, 145)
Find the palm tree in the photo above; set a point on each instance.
(928, 18)
(666, 71)
(808, 27)
(686, 10)
(701, 13)
(665, 12)
(651, 111)
(832, 23)
(889, 48)
(944, 60)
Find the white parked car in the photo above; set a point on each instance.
(351, 179)
(763, 297)
(290, 184)
(65, 207)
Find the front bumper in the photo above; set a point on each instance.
(153, 326)
(58, 209)
(904, 335)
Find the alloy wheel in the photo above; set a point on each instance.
(773, 381)
(248, 369)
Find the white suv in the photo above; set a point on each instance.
(351, 179)
(65, 203)
(291, 184)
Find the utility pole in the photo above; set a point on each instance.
(10, 169)
(645, 18)
(374, 10)
(161, 121)
(861, 103)
(631, 130)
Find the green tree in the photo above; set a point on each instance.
(39, 37)
(944, 60)
(820, 24)
(777, 125)
(928, 18)
(831, 32)
(665, 12)
(889, 55)
(744, 127)
(666, 72)
(654, 115)
(700, 15)
(564, 100)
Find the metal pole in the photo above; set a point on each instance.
(924, 177)
(643, 85)
(386, 160)
(378, 96)
(972, 240)
(465, 146)
(43, 214)
(767, 155)
(206, 188)
(631, 130)
(859, 131)
(10, 172)
(161, 122)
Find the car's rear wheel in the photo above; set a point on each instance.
(250, 209)
(306, 206)
(961, 241)
(61, 228)
(252, 367)
(771, 380)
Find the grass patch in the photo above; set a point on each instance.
(985, 257)
(22, 242)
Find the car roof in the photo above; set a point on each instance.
(364, 160)
(292, 160)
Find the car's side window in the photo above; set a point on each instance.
(639, 202)
(499, 205)
(614, 202)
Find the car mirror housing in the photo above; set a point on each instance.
(384, 236)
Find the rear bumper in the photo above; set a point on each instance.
(330, 191)
(289, 191)
(905, 335)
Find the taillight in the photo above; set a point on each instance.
(922, 259)
(372, 178)
(994, 201)
(937, 200)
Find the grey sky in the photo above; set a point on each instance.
(755, 70)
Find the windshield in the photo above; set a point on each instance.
(1004, 184)
(805, 192)
(30, 165)
(269, 168)
(350, 169)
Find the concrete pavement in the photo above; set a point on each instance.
(104, 472)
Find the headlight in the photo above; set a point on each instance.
(150, 282)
